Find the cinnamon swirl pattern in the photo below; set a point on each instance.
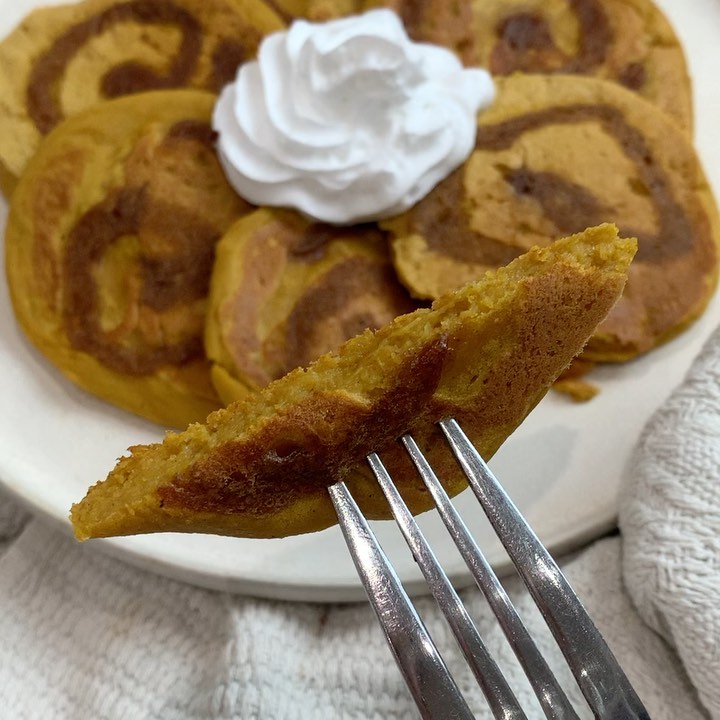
(485, 355)
(556, 154)
(286, 290)
(629, 42)
(63, 59)
(110, 244)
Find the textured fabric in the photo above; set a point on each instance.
(670, 517)
(85, 636)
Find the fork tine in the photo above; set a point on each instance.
(426, 675)
(499, 696)
(600, 677)
(553, 700)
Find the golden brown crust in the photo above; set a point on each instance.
(578, 390)
(485, 354)
(110, 243)
(63, 59)
(286, 290)
(555, 154)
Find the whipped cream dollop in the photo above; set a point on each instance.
(348, 120)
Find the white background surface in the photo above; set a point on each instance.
(563, 467)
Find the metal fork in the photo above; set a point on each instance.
(607, 690)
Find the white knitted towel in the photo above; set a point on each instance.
(85, 636)
(670, 519)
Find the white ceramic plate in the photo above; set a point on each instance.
(563, 467)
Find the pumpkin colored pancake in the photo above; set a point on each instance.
(556, 154)
(629, 42)
(62, 59)
(484, 354)
(286, 290)
(110, 244)
(314, 10)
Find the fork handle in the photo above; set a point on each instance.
(426, 675)
(600, 677)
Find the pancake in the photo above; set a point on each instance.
(286, 290)
(109, 247)
(314, 10)
(556, 154)
(484, 354)
(629, 42)
(62, 59)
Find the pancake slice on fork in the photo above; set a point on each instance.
(485, 354)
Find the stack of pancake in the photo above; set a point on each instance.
(117, 199)
(593, 123)
(137, 271)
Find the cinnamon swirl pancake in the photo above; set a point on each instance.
(314, 10)
(553, 155)
(63, 59)
(110, 243)
(484, 354)
(629, 42)
(286, 290)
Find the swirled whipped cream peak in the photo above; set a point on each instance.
(349, 120)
